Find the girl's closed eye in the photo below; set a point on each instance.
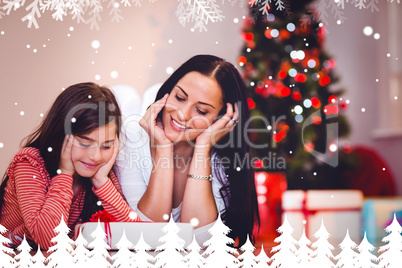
(85, 145)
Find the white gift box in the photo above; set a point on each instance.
(339, 209)
(151, 231)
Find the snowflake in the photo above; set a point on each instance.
(198, 11)
(115, 11)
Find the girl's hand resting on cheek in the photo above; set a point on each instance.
(101, 176)
(220, 128)
(153, 125)
(66, 164)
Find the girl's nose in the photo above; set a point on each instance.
(95, 154)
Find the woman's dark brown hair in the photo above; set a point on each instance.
(91, 106)
(241, 207)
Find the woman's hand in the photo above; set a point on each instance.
(153, 125)
(66, 164)
(220, 128)
(101, 176)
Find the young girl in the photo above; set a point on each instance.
(189, 155)
(64, 168)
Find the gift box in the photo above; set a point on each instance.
(339, 209)
(378, 213)
(151, 231)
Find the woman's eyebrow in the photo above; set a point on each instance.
(200, 102)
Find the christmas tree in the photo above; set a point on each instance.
(296, 109)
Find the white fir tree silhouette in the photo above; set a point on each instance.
(99, 256)
(366, 259)
(262, 259)
(63, 249)
(247, 258)
(323, 249)
(194, 258)
(81, 253)
(286, 251)
(172, 247)
(219, 253)
(142, 259)
(391, 256)
(6, 259)
(24, 258)
(304, 253)
(348, 256)
(38, 259)
(124, 257)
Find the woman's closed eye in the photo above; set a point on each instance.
(201, 112)
(179, 98)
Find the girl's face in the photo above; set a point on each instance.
(91, 151)
(192, 106)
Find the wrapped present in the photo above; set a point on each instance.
(378, 213)
(151, 231)
(339, 209)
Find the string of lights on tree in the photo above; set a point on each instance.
(292, 96)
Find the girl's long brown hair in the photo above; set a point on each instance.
(91, 106)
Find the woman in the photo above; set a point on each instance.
(187, 161)
(64, 168)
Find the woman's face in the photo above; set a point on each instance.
(192, 106)
(91, 151)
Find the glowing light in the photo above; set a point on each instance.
(292, 72)
(377, 80)
(58, 171)
(252, 84)
(338, 22)
(311, 63)
(95, 44)
(274, 33)
(41, 114)
(165, 217)
(261, 199)
(22, 113)
(238, 168)
(1, 145)
(298, 109)
(2, 33)
(71, 28)
(315, 173)
(299, 118)
(28, 46)
(49, 149)
(261, 189)
(236, 20)
(304, 221)
(132, 215)
(73, 120)
(307, 103)
(291, 27)
(114, 74)
(97, 77)
(376, 36)
(170, 41)
(271, 17)
(333, 147)
(269, 127)
(35, 50)
(368, 30)
(99, 203)
(116, 5)
(388, 55)
(383, 169)
(194, 222)
(261, 178)
(363, 110)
